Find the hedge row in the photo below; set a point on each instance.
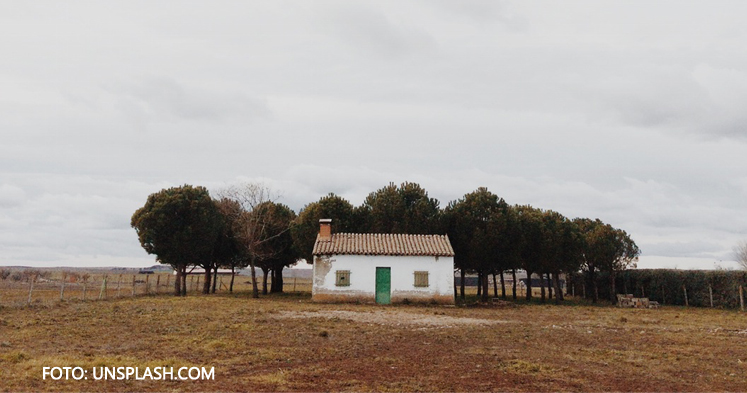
(668, 286)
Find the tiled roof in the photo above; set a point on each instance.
(384, 244)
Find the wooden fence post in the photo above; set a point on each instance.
(685, 290)
(710, 294)
(133, 285)
(62, 287)
(147, 284)
(102, 293)
(158, 282)
(221, 283)
(168, 281)
(119, 282)
(192, 283)
(294, 283)
(197, 287)
(33, 278)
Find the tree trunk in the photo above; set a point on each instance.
(184, 281)
(613, 290)
(479, 285)
(265, 271)
(559, 290)
(543, 293)
(461, 286)
(495, 286)
(485, 288)
(594, 287)
(529, 285)
(206, 284)
(503, 286)
(513, 273)
(556, 284)
(215, 276)
(177, 282)
(255, 290)
(233, 275)
(277, 281)
(456, 294)
(549, 286)
(280, 280)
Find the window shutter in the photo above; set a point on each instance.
(343, 278)
(421, 279)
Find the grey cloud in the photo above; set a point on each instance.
(697, 249)
(484, 12)
(163, 98)
(368, 29)
(11, 196)
(702, 100)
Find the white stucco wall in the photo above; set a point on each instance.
(363, 277)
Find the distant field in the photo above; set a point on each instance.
(48, 289)
(288, 343)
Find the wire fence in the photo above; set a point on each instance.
(33, 287)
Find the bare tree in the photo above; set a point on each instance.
(740, 253)
(252, 223)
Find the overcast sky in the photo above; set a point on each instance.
(631, 112)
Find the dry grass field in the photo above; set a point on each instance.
(288, 343)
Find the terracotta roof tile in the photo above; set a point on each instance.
(384, 244)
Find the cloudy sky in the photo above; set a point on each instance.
(631, 112)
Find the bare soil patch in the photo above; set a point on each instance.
(392, 318)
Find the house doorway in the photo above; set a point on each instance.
(383, 285)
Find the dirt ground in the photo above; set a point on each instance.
(288, 343)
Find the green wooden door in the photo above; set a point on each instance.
(383, 285)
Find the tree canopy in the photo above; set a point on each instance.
(400, 209)
(278, 250)
(179, 225)
(306, 225)
(477, 229)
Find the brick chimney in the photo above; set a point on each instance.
(325, 229)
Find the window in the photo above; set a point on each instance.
(421, 279)
(343, 278)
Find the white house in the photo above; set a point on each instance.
(382, 268)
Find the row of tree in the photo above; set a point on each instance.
(244, 226)
(186, 228)
(489, 236)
